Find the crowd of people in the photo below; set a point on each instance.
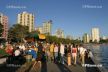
(49, 52)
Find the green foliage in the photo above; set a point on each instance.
(1, 29)
(35, 32)
(59, 40)
(103, 41)
(17, 32)
(77, 41)
(3, 52)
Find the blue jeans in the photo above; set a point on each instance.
(62, 58)
(55, 56)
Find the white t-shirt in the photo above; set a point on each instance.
(22, 47)
(82, 50)
(17, 52)
(55, 49)
(62, 49)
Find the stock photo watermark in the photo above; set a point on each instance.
(91, 65)
(92, 6)
(15, 7)
(14, 65)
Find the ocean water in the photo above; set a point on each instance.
(100, 53)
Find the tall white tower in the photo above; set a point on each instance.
(95, 35)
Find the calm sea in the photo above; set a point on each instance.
(100, 53)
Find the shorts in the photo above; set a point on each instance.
(74, 54)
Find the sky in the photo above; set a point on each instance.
(75, 17)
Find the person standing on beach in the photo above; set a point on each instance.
(40, 52)
(55, 52)
(82, 54)
(74, 54)
(52, 52)
(62, 53)
(47, 51)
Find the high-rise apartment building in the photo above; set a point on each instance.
(47, 26)
(26, 19)
(4, 22)
(40, 29)
(86, 38)
(95, 35)
(59, 33)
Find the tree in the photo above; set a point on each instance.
(17, 32)
(58, 40)
(103, 41)
(1, 29)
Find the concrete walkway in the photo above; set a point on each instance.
(58, 67)
(49, 67)
(2, 60)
